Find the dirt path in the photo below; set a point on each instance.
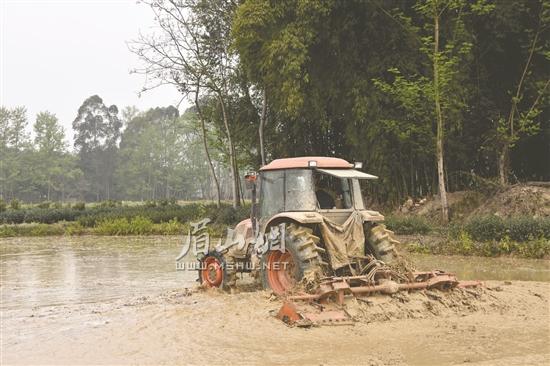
(506, 323)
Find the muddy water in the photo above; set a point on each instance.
(61, 270)
(75, 270)
(105, 300)
(482, 268)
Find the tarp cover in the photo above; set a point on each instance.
(344, 241)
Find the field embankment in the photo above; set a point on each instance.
(513, 221)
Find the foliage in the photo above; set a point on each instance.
(97, 133)
(496, 228)
(3, 205)
(122, 226)
(90, 217)
(15, 204)
(465, 245)
(31, 230)
(406, 225)
(352, 79)
(45, 204)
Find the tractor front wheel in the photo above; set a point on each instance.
(213, 271)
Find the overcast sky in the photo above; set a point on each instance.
(55, 54)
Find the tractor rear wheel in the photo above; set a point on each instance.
(381, 244)
(300, 262)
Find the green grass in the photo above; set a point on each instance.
(407, 225)
(463, 244)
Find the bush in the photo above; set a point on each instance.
(109, 203)
(172, 227)
(45, 204)
(465, 245)
(491, 228)
(122, 226)
(3, 205)
(30, 230)
(407, 225)
(91, 217)
(15, 204)
(7, 231)
(113, 227)
(74, 228)
(57, 205)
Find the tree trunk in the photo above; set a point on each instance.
(205, 145)
(262, 125)
(440, 135)
(502, 165)
(232, 158)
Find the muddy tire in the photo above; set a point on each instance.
(215, 272)
(381, 244)
(301, 262)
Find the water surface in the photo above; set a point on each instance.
(74, 270)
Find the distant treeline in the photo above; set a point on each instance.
(426, 93)
(150, 155)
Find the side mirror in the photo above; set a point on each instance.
(250, 180)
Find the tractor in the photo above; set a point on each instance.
(308, 222)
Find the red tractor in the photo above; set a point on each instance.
(310, 223)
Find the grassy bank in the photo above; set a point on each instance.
(482, 236)
(121, 227)
(485, 236)
(115, 218)
(157, 212)
(465, 245)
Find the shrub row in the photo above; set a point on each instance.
(465, 245)
(407, 225)
(492, 228)
(89, 217)
(122, 226)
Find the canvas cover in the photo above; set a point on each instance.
(343, 242)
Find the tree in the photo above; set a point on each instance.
(13, 142)
(444, 87)
(49, 134)
(193, 52)
(97, 133)
(523, 117)
(50, 143)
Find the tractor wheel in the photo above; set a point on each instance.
(214, 271)
(300, 262)
(381, 244)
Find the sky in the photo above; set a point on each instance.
(55, 54)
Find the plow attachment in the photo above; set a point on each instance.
(327, 305)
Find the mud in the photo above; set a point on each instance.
(515, 200)
(70, 312)
(502, 324)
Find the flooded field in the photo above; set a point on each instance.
(62, 299)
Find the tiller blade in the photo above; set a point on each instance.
(326, 306)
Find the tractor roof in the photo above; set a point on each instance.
(302, 162)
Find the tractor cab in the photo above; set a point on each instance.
(327, 186)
